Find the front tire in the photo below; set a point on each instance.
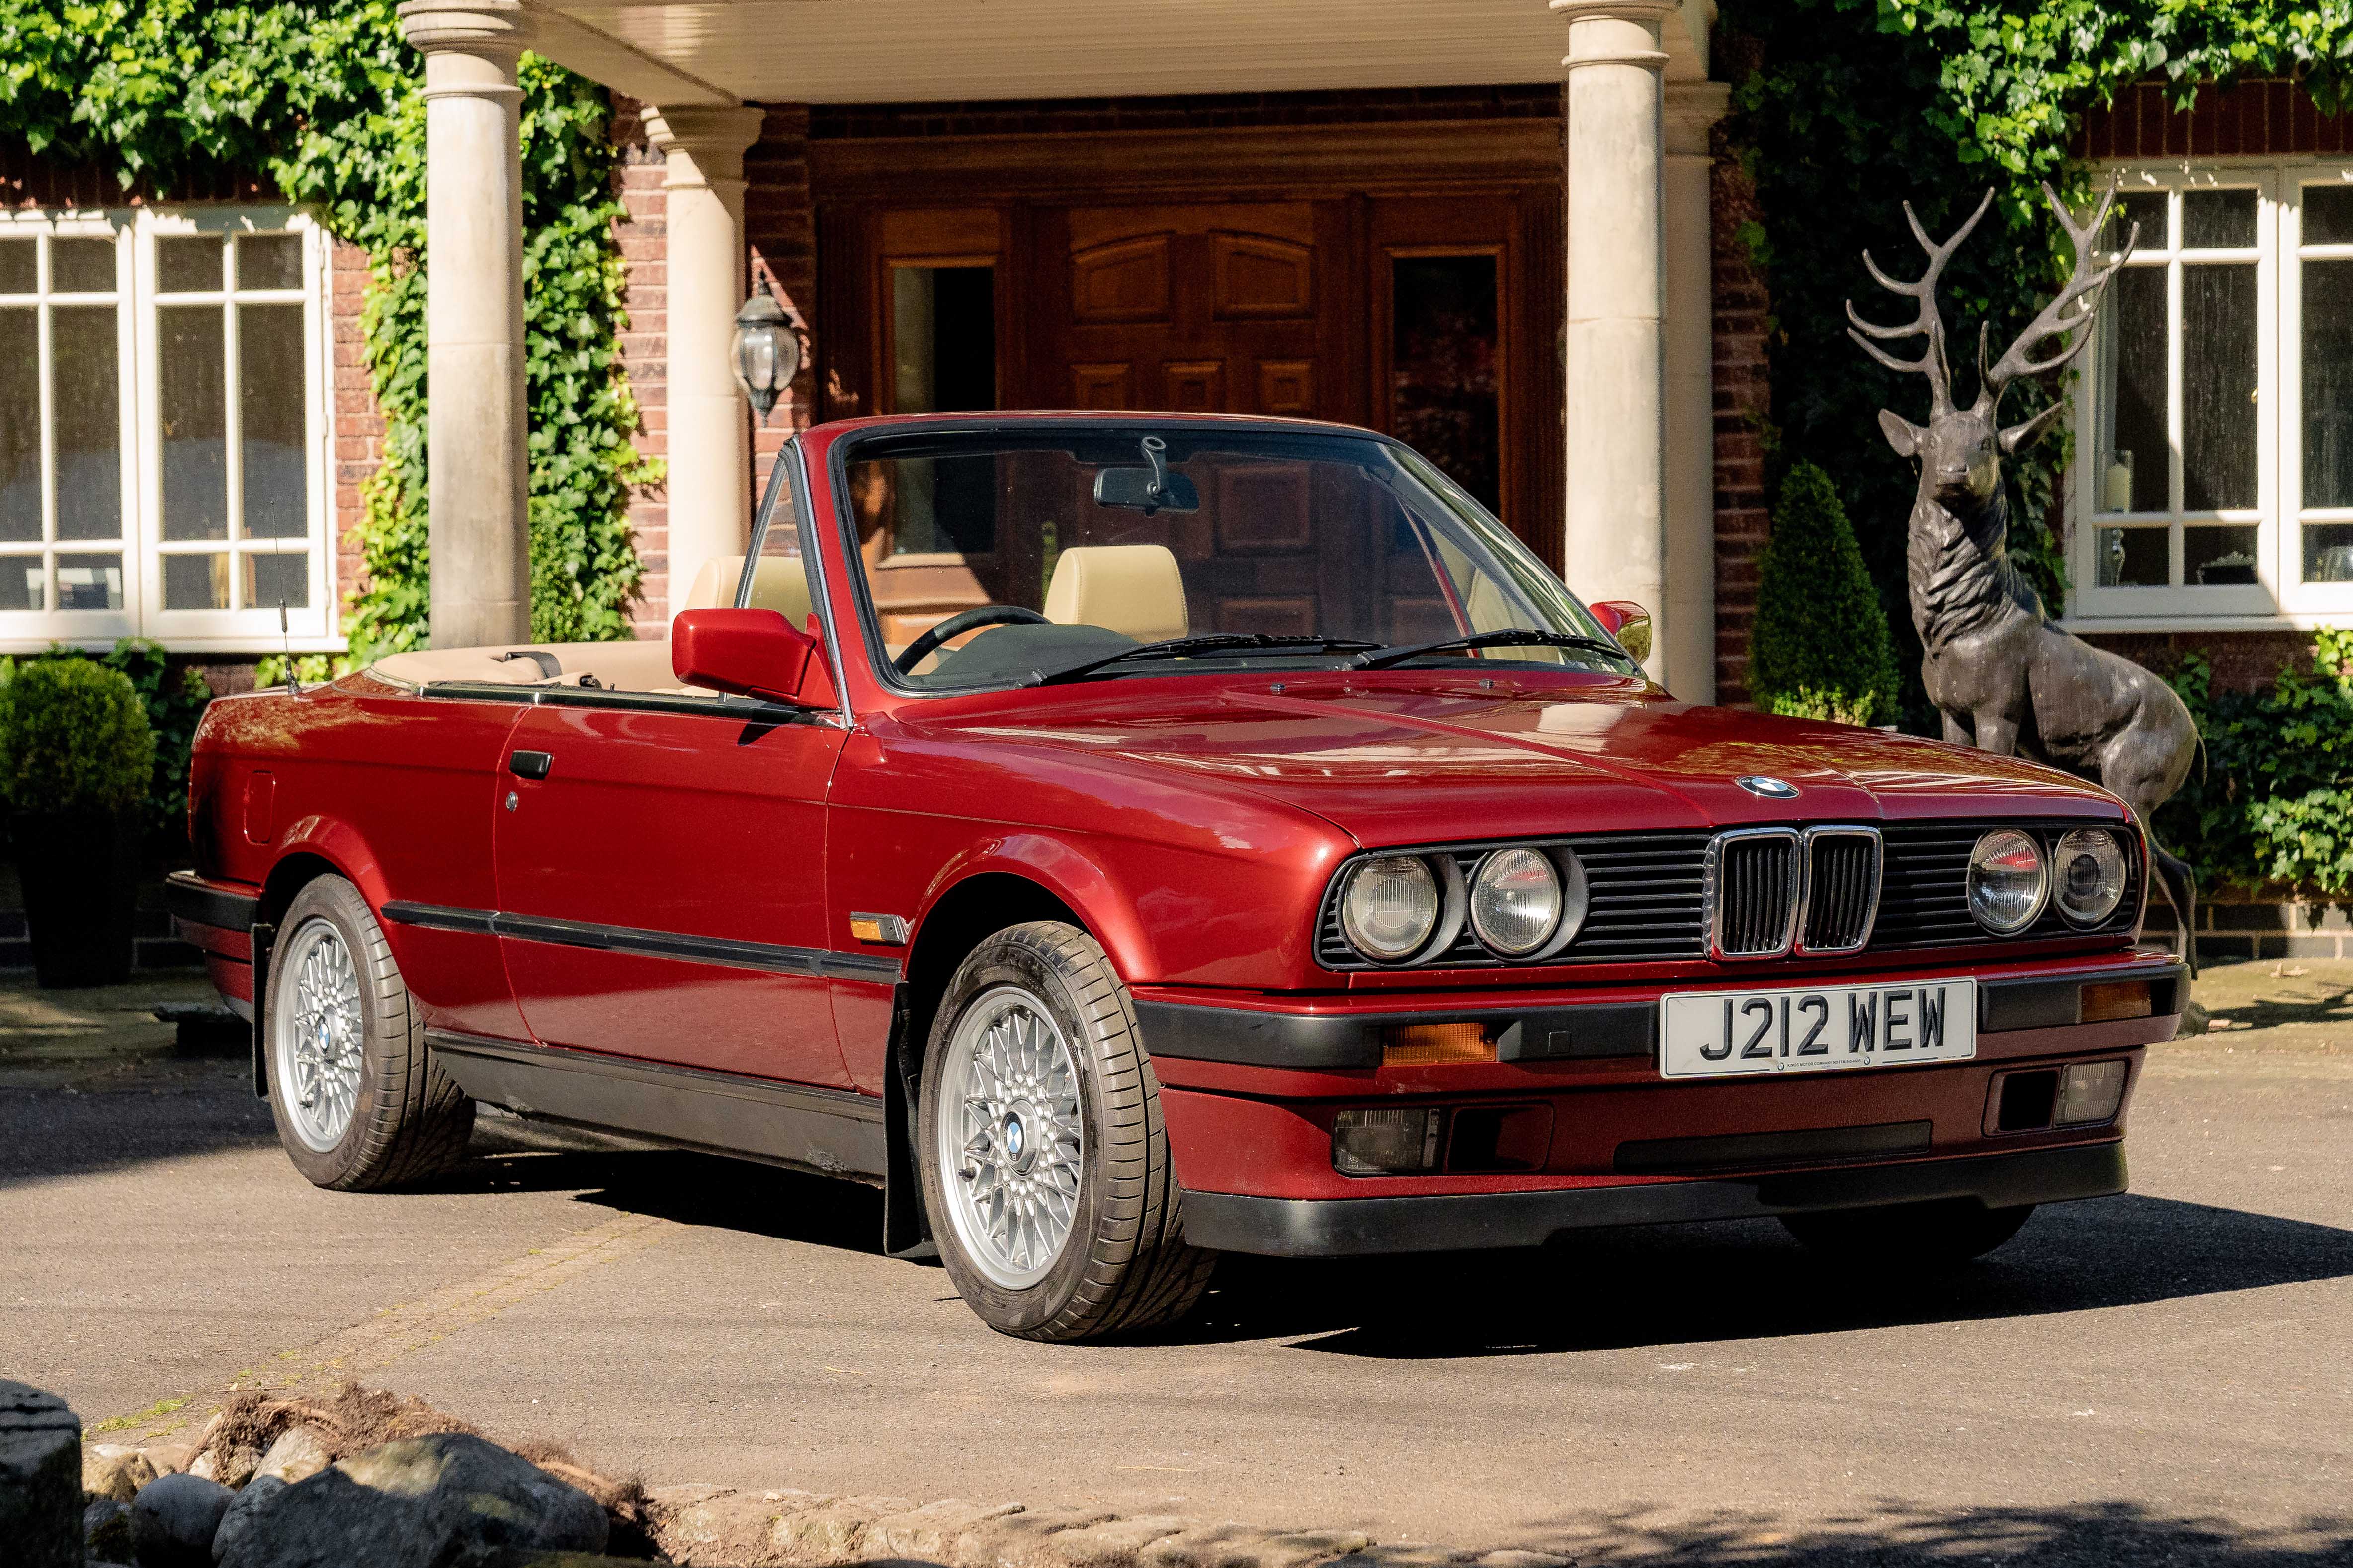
(359, 1101)
(1045, 1164)
(1942, 1233)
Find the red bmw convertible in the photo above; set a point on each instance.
(1129, 838)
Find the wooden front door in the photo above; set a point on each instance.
(1231, 308)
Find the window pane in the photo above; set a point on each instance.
(2329, 214)
(86, 387)
(2212, 220)
(2329, 552)
(2217, 557)
(2134, 558)
(269, 262)
(19, 260)
(2218, 387)
(20, 424)
(271, 406)
(1442, 392)
(269, 579)
(196, 582)
(188, 262)
(89, 581)
(2146, 208)
(2132, 394)
(24, 581)
(81, 266)
(2328, 384)
(192, 392)
(943, 338)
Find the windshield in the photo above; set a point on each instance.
(996, 558)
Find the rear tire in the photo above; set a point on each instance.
(1045, 1164)
(1944, 1233)
(359, 1101)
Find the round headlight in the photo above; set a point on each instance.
(2008, 881)
(1390, 907)
(1516, 901)
(2089, 872)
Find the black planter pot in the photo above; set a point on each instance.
(80, 874)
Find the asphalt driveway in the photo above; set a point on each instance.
(2167, 1376)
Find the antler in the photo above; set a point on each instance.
(2067, 315)
(1929, 323)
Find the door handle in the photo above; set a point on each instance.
(531, 764)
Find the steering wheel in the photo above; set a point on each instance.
(960, 623)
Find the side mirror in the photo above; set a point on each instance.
(753, 653)
(1629, 623)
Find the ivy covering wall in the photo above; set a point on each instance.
(1845, 108)
(323, 99)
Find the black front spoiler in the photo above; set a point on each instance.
(1352, 1227)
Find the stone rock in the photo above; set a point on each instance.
(106, 1529)
(173, 1519)
(1246, 1546)
(699, 1523)
(1018, 1539)
(420, 1503)
(1403, 1555)
(113, 1470)
(40, 1479)
(1515, 1558)
(931, 1530)
(831, 1532)
(299, 1453)
(243, 1514)
(170, 1458)
(1110, 1544)
(2195, 1020)
(231, 1466)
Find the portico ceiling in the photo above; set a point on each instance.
(891, 51)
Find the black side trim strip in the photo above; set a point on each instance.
(745, 709)
(1346, 1227)
(773, 958)
(1354, 1039)
(834, 1133)
(2057, 1003)
(190, 898)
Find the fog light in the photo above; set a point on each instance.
(2089, 1092)
(1420, 1044)
(1384, 1142)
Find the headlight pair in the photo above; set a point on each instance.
(1519, 903)
(2010, 882)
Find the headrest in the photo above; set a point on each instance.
(1134, 589)
(781, 584)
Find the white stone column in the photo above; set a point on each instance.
(709, 422)
(1688, 624)
(1615, 547)
(478, 422)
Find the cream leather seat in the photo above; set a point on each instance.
(781, 584)
(1134, 589)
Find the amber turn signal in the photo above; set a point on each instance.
(2108, 1000)
(1426, 1045)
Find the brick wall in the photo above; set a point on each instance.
(1742, 400)
(645, 356)
(358, 424)
(780, 227)
(2255, 119)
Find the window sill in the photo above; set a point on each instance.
(233, 646)
(2302, 621)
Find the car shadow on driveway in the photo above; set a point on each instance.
(2092, 1534)
(1706, 1283)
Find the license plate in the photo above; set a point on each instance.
(1720, 1034)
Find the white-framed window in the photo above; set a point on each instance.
(164, 429)
(2213, 483)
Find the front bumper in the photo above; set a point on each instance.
(1349, 1228)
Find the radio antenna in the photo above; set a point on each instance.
(293, 682)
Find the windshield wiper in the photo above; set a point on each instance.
(1226, 644)
(1510, 636)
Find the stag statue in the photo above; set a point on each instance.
(1998, 672)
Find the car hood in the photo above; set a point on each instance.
(1399, 762)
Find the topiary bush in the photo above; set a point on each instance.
(74, 739)
(1821, 648)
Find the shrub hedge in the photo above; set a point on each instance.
(73, 738)
(1822, 647)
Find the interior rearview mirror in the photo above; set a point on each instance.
(1149, 488)
(1629, 623)
(751, 653)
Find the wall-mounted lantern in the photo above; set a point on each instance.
(765, 350)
